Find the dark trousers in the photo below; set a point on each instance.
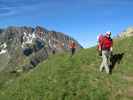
(73, 51)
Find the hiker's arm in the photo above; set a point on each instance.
(111, 49)
(100, 49)
(100, 45)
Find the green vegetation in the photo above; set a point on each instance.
(62, 77)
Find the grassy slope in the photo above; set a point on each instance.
(78, 78)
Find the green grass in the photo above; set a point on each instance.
(78, 78)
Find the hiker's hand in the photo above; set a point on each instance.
(100, 49)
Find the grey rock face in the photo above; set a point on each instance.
(24, 50)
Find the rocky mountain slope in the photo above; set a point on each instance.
(25, 47)
(127, 33)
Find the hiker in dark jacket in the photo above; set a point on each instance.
(106, 50)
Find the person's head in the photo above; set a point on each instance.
(108, 34)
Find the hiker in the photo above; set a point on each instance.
(72, 46)
(105, 48)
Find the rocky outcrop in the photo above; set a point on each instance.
(27, 46)
(128, 32)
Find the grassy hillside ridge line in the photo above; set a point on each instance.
(78, 78)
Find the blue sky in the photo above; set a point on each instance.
(81, 19)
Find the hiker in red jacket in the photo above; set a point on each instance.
(106, 50)
(72, 46)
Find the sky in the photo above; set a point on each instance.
(81, 19)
